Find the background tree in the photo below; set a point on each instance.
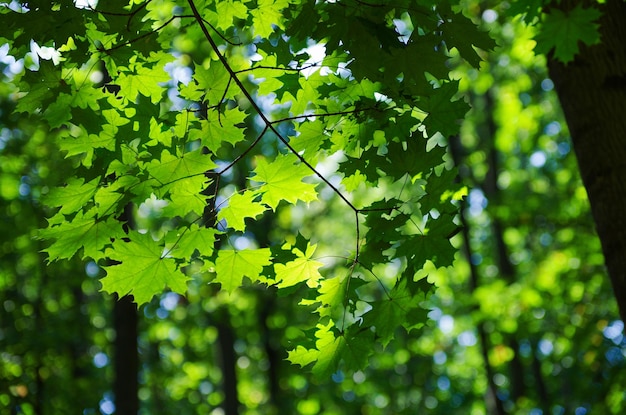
(591, 90)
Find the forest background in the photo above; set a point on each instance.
(523, 318)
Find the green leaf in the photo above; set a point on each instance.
(444, 114)
(562, 31)
(40, 85)
(214, 81)
(143, 271)
(158, 135)
(186, 196)
(301, 269)
(282, 180)
(58, 113)
(529, 9)
(241, 206)
(134, 130)
(311, 137)
(84, 231)
(460, 32)
(220, 128)
(303, 356)
(331, 348)
(434, 245)
(401, 308)
(333, 293)
(171, 169)
(145, 80)
(266, 14)
(229, 10)
(73, 196)
(231, 266)
(108, 197)
(186, 242)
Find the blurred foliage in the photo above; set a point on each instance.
(53, 318)
(532, 289)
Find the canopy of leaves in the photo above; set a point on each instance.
(155, 129)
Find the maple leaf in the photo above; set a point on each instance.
(282, 180)
(107, 197)
(186, 196)
(213, 81)
(529, 9)
(460, 32)
(434, 245)
(143, 270)
(362, 104)
(267, 14)
(83, 143)
(401, 308)
(84, 231)
(41, 87)
(218, 129)
(145, 80)
(229, 10)
(57, 113)
(444, 115)
(184, 244)
(171, 169)
(303, 356)
(158, 135)
(562, 31)
(412, 157)
(301, 269)
(231, 266)
(85, 97)
(333, 293)
(331, 347)
(310, 138)
(241, 206)
(73, 196)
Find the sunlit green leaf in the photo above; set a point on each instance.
(231, 266)
(240, 206)
(144, 269)
(282, 180)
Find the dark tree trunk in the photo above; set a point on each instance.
(540, 385)
(592, 91)
(271, 351)
(493, 403)
(226, 339)
(507, 271)
(126, 362)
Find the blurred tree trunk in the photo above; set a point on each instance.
(592, 91)
(493, 403)
(226, 339)
(540, 385)
(226, 335)
(268, 307)
(125, 386)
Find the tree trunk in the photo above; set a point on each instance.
(592, 91)
(226, 339)
(126, 386)
(493, 403)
